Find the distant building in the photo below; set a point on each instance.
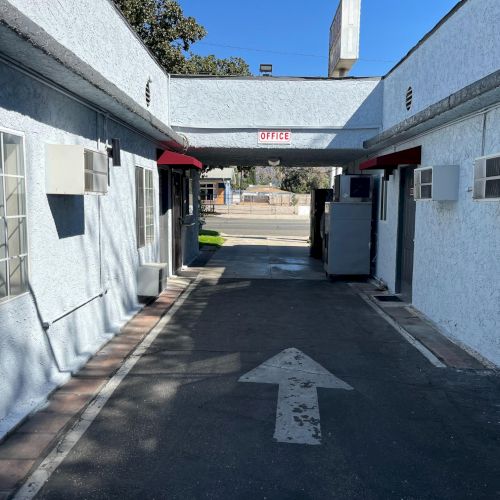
(215, 186)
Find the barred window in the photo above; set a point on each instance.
(13, 233)
(144, 206)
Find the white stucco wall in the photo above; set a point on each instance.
(457, 244)
(79, 247)
(97, 34)
(275, 102)
(463, 50)
(226, 113)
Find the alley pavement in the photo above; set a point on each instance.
(194, 419)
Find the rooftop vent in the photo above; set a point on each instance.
(409, 98)
(148, 92)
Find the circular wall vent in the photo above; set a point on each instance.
(409, 98)
(148, 93)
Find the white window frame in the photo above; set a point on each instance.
(145, 234)
(26, 255)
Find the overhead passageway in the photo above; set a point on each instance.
(327, 119)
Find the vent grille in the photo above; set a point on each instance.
(487, 178)
(423, 184)
(493, 167)
(409, 98)
(148, 93)
(96, 172)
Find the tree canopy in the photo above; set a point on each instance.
(303, 179)
(169, 34)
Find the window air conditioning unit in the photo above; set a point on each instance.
(487, 178)
(74, 170)
(151, 279)
(437, 183)
(353, 188)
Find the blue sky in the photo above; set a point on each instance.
(280, 30)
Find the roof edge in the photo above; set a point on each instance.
(489, 85)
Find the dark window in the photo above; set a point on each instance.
(426, 191)
(492, 188)
(360, 187)
(493, 167)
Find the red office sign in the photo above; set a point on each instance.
(275, 137)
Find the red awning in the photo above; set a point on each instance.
(169, 158)
(391, 161)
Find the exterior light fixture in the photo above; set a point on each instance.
(266, 69)
(274, 162)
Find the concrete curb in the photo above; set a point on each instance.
(441, 351)
(26, 447)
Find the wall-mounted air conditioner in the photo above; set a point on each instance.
(437, 183)
(151, 279)
(74, 170)
(487, 178)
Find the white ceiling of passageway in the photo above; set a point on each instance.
(288, 157)
(328, 119)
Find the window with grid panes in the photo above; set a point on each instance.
(13, 233)
(144, 206)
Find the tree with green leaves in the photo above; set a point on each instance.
(169, 34)
(303, 179)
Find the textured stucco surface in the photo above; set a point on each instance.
(257, 103)
(96, 33)
(463, 50)
(457, 244)
(79, 247)
(322, 114)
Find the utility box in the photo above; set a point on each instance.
(437, 183)
(347, 239)
(74, 170)
(151, 279)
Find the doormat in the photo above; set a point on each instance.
(388, 298)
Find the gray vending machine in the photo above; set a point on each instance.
(348, 223)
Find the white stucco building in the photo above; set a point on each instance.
(452, 272)
(69, 263)
(78, 76)
(438, 107)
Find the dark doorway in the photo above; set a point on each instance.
(375, 218)
(406, 234)
(165, 206)
(177, 202)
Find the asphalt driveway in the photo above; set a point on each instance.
(182, 426)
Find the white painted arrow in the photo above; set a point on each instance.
(298, 376)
